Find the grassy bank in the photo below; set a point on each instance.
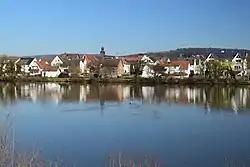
(128, 80)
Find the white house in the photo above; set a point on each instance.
(86, 61)
(196, 65)
(28, 65)
(83, 66)
(56, 61)
(147, 60)
(210, 57)
(53, 60)
(74, 64)
(53, 72)
(46, 70)
(239, 64)
(147, 72)
(178, 68)
(126, 66)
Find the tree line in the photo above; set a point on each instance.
(8, 68)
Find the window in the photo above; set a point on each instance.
(237, 67)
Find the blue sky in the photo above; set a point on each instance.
(31, 27)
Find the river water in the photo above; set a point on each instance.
(176, 126)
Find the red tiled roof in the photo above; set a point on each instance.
(161, 62)
(71, 56)
(90, 58)
(45, 66)
(134, 58)
(182, 63)
(110, 62)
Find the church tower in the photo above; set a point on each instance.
(102, 52)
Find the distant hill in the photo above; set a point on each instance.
(190, 52)
(180, 52)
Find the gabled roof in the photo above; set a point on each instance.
(183, 64)
(154, 59)
(109, 57)
(134, 58)
(71, 56)
(211, 56)
(90, 58)
(25, 60)
(48, 58)
(238, 56)
(45, 66)
(110, 62)
(68, 63)
(159, 68)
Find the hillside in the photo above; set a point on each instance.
(181, 52)
(189, 52)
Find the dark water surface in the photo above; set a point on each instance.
(177, 126)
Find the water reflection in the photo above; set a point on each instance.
(233, 99)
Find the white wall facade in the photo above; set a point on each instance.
(147, 60)
(32, 66)
(56, 61)
(126, 68)
(83, 66)
(50, 73)
(147, 72)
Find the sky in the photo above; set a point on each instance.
(35, 27)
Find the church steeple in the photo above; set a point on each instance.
(102, 52)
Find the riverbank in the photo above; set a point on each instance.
(127, 80)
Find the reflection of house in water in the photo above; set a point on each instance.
(106, 93)
(184, 95)
(84, 91)
(8, 94)
(148, 93)
(240, 98)
(42, 92)
(176, 94)
(71, 93)
(126, 91)
(29, 91)
(216, 97)
(136, 92)
(193, 95)
(50, 92)
(228, 98)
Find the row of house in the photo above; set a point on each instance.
(54, 65)
(195, 65)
